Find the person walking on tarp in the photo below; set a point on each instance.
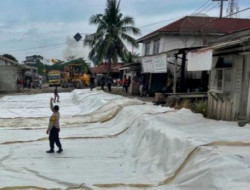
(56, 95)
(54, 128)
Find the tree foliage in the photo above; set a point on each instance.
(11, 57)
(39, 65)
(113, 29)
(129, 57)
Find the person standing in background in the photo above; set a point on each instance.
(129, 81)
(92, 82)
(125, 83)
(40, 83)
(21, 84)
(28, 83)
(102, 82)
(141, 87)
(109, 83)
(56, 95)
(18, 85)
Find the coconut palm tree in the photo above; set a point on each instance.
(129, 57)
(113, 30)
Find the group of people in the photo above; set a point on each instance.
(108, 81)
(21, 84)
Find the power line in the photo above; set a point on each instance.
(59, 44)
(201, 6)
(210, 22)
(159, 22)
(206, 8)
(215, 6)
(238, 12)
(40, 47)
(34, 51)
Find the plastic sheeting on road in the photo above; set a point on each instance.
(112, 142)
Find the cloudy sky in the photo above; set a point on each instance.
(47, 27)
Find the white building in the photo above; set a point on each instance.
(164, 51)
(10, 71)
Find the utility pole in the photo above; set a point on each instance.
(221, 6)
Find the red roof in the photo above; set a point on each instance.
(196, 24)
(102, 68)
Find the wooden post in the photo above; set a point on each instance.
(175, 77)
(221, 6)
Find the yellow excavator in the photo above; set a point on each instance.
(75, 75)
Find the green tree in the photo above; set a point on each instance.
(39, 65)
(11, 57)
(129, 57)
(113, 29)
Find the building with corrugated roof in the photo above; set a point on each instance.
(227, 59)
(164, 51)
(11, 71)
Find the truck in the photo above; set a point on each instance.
(54, 78)
(75, 75)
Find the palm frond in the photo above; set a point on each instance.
(129, 39)
(113, 29)
(131, 29)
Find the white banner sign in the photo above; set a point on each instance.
(200, 60)
(155, 64)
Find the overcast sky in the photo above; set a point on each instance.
(47, 27)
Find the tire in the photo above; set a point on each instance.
(78, 84)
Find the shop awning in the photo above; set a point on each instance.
(201, 60)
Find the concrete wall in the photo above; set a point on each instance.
(8, 77)
(168, 43)
(176, 42)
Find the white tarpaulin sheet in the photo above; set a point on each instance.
(200, 60)
(112, 142)
(155, 64)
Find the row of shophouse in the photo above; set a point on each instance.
(199, 54)
(207, 54)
